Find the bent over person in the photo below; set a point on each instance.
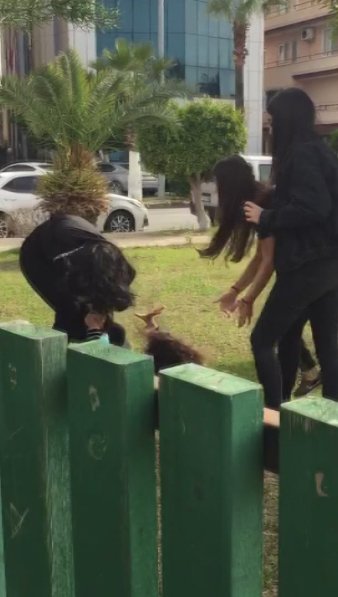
(77, 272)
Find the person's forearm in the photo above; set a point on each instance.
(248, 275)
(261, 279)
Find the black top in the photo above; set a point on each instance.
(61, 234)
(42, 264)
(304, 214)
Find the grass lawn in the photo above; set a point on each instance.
(187, 286)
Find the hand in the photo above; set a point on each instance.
(252, 212)
(227, 302)
(95, 321)
(245, 313)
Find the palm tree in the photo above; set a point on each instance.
(76, 113)
(239, 12)
(145, 70)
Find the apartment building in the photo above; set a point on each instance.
(300, 51)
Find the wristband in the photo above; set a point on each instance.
(247, 302)
(236, 289)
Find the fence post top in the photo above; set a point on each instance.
(29, 330)
(316, 408)
(222, 383)
(108, 353)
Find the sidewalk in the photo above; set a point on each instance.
(132, 240)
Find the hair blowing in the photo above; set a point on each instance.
(235, 184)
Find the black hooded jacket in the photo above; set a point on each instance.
(304, 211)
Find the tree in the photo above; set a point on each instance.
(144, 69)
(239, 12)
(24, 14)
(202, 132)
(76, 113)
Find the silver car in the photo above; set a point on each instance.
(117, 175)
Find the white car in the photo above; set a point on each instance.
(18, 192)
(117, 175)
(39, 167)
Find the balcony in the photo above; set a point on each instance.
(284, 73)
(294, 13)
(327, 115)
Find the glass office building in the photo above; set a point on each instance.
(200, 45)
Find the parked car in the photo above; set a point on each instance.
(18, 192)
(117, 175)
(39, 167)
(261, 165)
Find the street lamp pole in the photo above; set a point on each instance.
(160, 38)
(161, 52)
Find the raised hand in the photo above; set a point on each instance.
(252, 212)
(149, 318)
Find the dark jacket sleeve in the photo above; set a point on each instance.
(94, 334)
(310, 201)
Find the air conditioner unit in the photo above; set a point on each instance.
(308, 34)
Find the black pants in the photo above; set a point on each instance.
(47, 279)
(309, 293)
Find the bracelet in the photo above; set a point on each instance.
(236, 289)
(247, 302)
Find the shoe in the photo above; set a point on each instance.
(307, 385)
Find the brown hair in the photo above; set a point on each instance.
(168, 351)
(236, 184)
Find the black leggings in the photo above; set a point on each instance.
(309, 293)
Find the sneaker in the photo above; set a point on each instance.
(307, 385)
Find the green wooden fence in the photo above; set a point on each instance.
(81, 514)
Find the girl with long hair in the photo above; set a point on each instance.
(235, 237)
(303, 219)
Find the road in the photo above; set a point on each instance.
(171, 219)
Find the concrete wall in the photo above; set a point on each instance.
(253, 84)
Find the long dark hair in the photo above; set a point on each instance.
(235, 184)
(293, 120)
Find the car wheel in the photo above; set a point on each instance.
(120, 221)
(4, 230)
(116, 187)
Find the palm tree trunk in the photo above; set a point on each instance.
(240, 53)
(239, 87)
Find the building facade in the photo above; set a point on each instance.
(20, 54)
(300, 51)
(200, 45)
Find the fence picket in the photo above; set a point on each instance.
(212, 483)
(309, 498)
(111, 395)
(34, 463)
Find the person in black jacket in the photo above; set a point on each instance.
(304, 221)
(78, 273)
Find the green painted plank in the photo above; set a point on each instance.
(34, 462)
(111, 394)
(309, 498)
(211, 435)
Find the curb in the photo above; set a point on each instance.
(126, 241)
(168, 205)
